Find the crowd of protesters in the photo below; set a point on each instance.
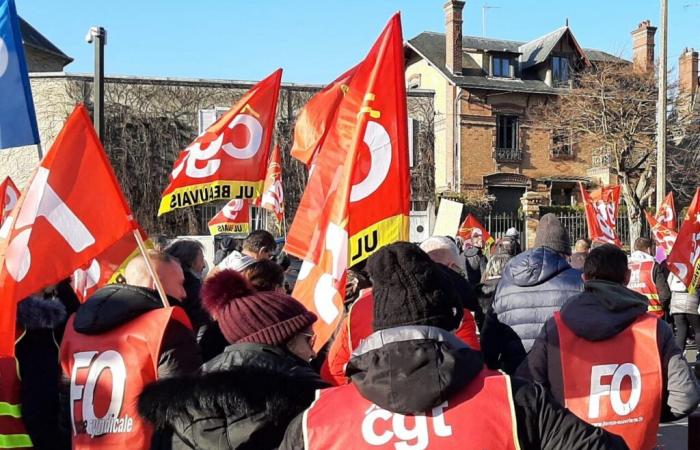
(445, 344)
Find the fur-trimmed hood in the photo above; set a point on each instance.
(244, 407)
(38, 313)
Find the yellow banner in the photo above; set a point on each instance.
(198, 194)
(696, 278)
(118, 275)
(364, 243)
(230, 228)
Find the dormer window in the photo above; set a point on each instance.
(501, 67)
(560, 69)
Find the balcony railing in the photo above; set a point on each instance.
(506, 155)
(603, 160)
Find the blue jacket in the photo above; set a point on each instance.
(535, 284)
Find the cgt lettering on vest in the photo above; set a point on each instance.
(612, 388)
(207, 193)
(381, 427)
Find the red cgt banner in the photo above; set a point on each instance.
(273, 193)
(684, 260)
(664, 237)
(666, 215)
(228, 161)
(471, 227)
(234, 218)
(601, 214)
(361, 161)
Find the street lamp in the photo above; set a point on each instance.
(98, 35)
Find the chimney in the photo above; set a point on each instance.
(643, 47)
(688, 72)
(453, 35)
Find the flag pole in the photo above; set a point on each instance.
(40, 151)
(151, 269)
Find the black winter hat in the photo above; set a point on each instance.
(410, 289)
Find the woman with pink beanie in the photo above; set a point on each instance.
(245, 397)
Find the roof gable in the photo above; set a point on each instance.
(538, 50)
(31, 37)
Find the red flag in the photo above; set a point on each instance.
(684, 260)
(107, 268)
(664, 237)
(227, 161)
(601, 214)
(358, 193)
(9, 194)
(72, 211)
(666, 215)
(471, 227)
(234, 218)
(316, 118)
(273, 193)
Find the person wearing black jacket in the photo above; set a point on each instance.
(245, 397)
(412, 364)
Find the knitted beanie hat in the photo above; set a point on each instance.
(245, 315)
(410, 289)
(552, 234)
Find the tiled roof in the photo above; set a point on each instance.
(32, 38)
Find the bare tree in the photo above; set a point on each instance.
(612, 109)
(683, 154)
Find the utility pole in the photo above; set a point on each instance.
(483, 17)
(661, 110)
(98, 36)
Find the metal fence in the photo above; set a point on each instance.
(497, 224)
(575, 224)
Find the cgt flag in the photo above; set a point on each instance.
(666, 215)
(71, 212)
(664, 237)
(471, 228)
(17, 117)
(107, 268)
(273, 193)
(234, 218)
(601, 214)
(9, 194)
(229, 159)
(684, 260)
(357, 197)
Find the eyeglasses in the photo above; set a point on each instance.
(310, 338)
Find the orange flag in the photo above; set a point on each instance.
(601, 214)
(273, 193)
(234, 218)
(357, 197)
(316, 118)
(471, 227)
(71, 212)
(228, 161)
(666, 215)
(107, 268)
(9, 194)
(684, 260)
(664, 237)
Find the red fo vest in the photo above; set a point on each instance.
(642, 282)
(615, 383)
(13, 434)
(480, 416)
(108, 373)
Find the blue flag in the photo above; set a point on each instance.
(17, 117)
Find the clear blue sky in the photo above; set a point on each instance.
(316, 40)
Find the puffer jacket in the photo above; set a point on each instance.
(604, 310)
(411, 369)
(682, 302)
(243, 399)
(535, 284)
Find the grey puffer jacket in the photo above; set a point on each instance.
(604, 310)
(682, 302)
(535, 284)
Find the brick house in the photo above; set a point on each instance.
(486, 141)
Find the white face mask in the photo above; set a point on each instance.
(205, 271)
